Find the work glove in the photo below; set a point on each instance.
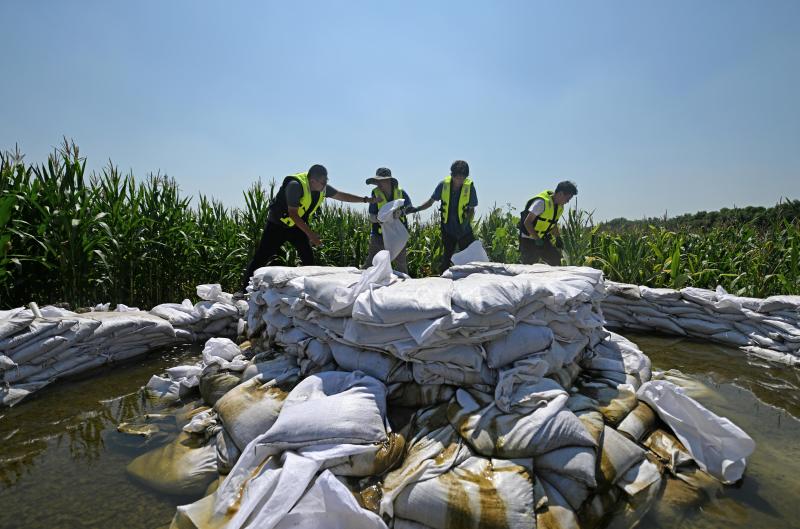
(559, 243)
(398, 213)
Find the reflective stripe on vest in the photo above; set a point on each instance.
(463, 199)
(382, 200)
(549, 217)
(305, 199)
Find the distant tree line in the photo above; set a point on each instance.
(756, 216)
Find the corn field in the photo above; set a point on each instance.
(66, 236)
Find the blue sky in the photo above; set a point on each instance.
(650, 107)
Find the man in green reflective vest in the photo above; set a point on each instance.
(459, 199)
(387, 189)
(298, 198)
(539, 238)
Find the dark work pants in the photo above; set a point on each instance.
(450, 244)
(274, 236)
(532, 254)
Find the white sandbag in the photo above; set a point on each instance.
(220, 348)
(185, 466)
(379, 365)
(330, 407)
(163, 388)
(477, 493)
(717, 445)
(395, 234)
(317, 351)
(639, 477)
(278, 367)
(410, 300)
(379, 274)
(703, 327)
(573, 491)
(441, 373)
(525, 339)
(213, 292)
(472, 253)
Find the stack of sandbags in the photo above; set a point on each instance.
(528, 412)
(458, 331)
(768, 328)
(36, 349)
(216, 316)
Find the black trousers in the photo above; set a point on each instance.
(274, 236)
(450, 244)
(532, 254)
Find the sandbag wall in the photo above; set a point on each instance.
(37, 348)
(768, 328)
(491, 397)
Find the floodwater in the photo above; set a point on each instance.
(62, 461)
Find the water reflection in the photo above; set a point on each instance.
(69, 416)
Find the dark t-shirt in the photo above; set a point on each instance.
(292, 194)
(451, 224)
(373, 209)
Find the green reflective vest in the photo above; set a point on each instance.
(463, 199)
(549, 217)
(306, 209)
(397, 194)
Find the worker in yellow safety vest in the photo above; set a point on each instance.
(386, 190)
(299, 196)
(458, 201)
(539, 238)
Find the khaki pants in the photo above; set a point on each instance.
(376, 245)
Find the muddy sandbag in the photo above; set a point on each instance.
(227, 453)
(614, 402)
(216, 382)
(477, 493)
(617, 455)
(184, 467)
(573, 491)
(432, 448)
(639, 422)
(553, 511)
(251, 408)
(528, 432)
(387, 455)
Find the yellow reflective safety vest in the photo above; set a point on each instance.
(397, 194)
(463, 199)
(306, 208)
(549, 217)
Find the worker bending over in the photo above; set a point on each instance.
(299, 196)
(539, 238)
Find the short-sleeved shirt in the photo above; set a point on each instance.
(373, 209)
(537, 208)
(451, 225)
(293, 192)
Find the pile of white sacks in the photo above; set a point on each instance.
(40, 346)
(490, 397)
(768, 328)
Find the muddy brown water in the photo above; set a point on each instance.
(62, 461)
